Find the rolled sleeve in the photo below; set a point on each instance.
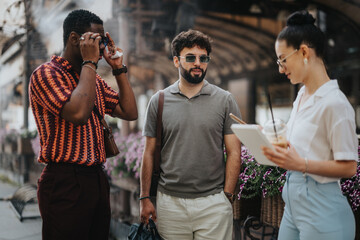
(344, 140)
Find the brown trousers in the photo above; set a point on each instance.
(74, 202)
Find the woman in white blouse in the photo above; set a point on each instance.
(322, 141)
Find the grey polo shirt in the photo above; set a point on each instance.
(192, 156)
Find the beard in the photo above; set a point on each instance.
(187, 75)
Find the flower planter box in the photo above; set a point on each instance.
(126, 199)
(272, 209)
(129, 184)
(135, 206)
(120, 203)
(246, 207)
(357, 221)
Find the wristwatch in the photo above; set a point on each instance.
(230, 196)
(119, 70)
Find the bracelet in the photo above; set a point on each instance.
(89, 61)
(142, 198)
(90, 67)
(306, 166)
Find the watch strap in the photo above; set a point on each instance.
(230, 196)
(119, 71)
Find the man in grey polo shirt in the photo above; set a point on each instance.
(196, 185)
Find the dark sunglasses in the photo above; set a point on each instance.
(104, 40)
(192, 58)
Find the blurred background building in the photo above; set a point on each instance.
(243, 59)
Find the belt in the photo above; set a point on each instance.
(67, 167)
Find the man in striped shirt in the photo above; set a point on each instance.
(65, 94)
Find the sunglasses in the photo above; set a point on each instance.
(104, 40)
(192, 58)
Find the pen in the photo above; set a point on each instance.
(237, 119)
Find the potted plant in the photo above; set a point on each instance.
(124, 171)
(266, 182)
(248, 202)
(126, 165)
(351, 189)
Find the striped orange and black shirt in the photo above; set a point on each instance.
(51, 86)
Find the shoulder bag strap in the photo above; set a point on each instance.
(97, 112)
(102, 120)
(157, 155)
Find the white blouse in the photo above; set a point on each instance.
(323, 129)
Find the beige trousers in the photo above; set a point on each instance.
(208, 217)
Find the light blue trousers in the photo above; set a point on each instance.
(315, 211)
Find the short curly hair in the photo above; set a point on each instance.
(189, 39)
(79, 21)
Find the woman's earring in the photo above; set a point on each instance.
(305, 61)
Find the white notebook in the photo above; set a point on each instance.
(252, 137)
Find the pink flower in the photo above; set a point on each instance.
(351, 187)
(259, 180)
(128, 162)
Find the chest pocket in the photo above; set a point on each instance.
(303, 135)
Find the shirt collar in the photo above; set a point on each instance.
(319, 93)
(205, 90)
(326, 87)
(61, 62)
(323, 89)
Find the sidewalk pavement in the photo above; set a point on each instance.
(11, 228)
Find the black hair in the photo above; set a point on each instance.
(300, 29)
(79, 21)
(189, 39)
